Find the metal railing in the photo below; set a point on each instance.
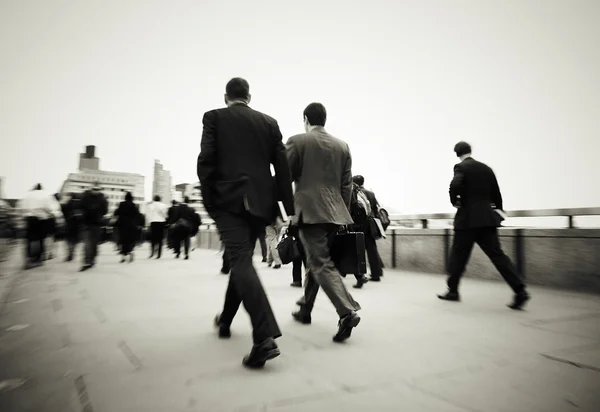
(570, 214)
(424, 218)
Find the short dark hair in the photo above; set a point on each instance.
(359, 180)
(156, 198)
(462, 148)
(186, 199)
(316, 114)
(173, 202)
(237, 88)
(129, 197)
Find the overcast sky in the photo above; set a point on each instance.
(402, 82)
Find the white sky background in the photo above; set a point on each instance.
(402, 82)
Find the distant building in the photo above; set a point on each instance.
(161, 185)
(114, 184)
(88, 160)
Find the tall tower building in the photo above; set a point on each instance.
(161, 184)
(88, 160)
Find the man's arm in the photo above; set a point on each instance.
(293, 159)
(346, 187)
(282, 171)
(207, 159)
(496, 195)
(457, 186)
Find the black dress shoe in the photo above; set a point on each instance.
(224, 331)
(85, 267)
(450, 296)
(224, 272)
(296, 284)
(375, 278)
(345, 326)
(302, 316)
(264, 260)
(519, 301)
(277, 266)
(360, 282)
(261, 353)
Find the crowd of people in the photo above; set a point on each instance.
(82, 218)
(313, 186)
(313, 198)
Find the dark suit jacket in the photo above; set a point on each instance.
(238, 147)
(372, 201)
(476, 185)
(183, 211)
(321, 166)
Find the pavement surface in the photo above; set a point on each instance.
(139, 337)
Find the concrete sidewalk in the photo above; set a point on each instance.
(139, 337)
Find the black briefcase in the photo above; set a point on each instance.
(348, 253)
(288, 249)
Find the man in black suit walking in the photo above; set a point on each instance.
(238, 147)
(475, 192)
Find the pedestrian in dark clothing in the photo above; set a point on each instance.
(182, 224)
(94, 206)
(128, 221)
(74, 221)
(475, 192)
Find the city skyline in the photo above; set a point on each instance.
(402, 83)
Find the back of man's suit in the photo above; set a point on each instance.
(238, 146)
(321, 166)
(476, 184)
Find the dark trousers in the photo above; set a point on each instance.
(35, 234)
(72, 238)
(239, 234)
(317, 241)
(226, 268)
(157, 234)
(488, 241)
(91, 238)
(262, 238)
(181, 235)
(297, 264)
(373, 256)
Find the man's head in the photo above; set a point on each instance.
(236, 91)
(96, 186)
(462, 150)
(314, 115)
(173, 202)
(359, 180)
(156, 198)
(186, 199)
(128, 197)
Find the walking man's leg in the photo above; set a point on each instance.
(239, 234)
(462, 246)
(317, 241)
(488, 240)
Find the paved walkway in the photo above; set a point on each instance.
(139, 337)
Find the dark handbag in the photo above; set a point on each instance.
(374, 229)
(348, 253)
(288, 249)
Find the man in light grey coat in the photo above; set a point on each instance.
(321, 167)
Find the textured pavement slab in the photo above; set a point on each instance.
(139, 337)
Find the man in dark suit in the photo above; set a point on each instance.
(475, 192)
(370, 237)
(182, 221)
(238, 147)
(321, 166)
